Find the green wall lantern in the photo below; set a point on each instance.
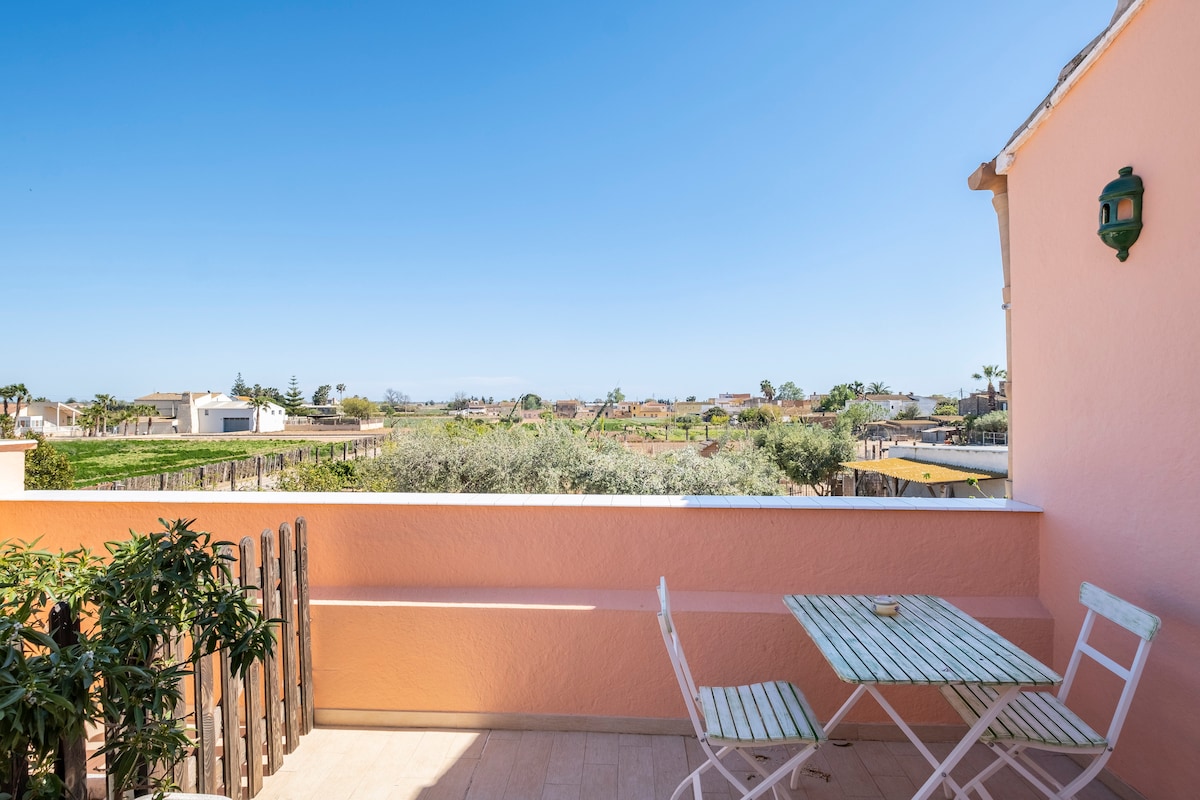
(1121, 212)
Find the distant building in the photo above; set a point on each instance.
(893, 404)
(167, 403)
(977, 403)
(651, 410)
(208, 412)
(48, 419)
(566, 409)
(691, 407)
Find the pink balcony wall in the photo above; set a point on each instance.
(438, 606)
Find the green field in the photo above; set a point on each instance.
(102, 460)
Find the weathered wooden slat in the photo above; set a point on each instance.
(71, 764)
(929, 643)
(184, 777)
(753, 714)
(889, 639)
(800, 712)
(850, 664)
(997, 660)
(1122, 612)
(231, 750)
(288, 639)
(741, 722)
(304, 627)
(230, 702)
(1034, 717)
(772, 728)
(760, 713)
(271, 676)
(251, 580)
(206, 733)
(788, 727)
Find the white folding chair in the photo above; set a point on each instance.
(1042, 721)
(735, 718)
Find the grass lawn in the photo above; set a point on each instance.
(101, 460)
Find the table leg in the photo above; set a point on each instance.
(941, 772)
(912, 737)
(855, 696)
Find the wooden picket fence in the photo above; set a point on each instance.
(246, 473)
(242, 727)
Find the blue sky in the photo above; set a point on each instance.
(674, 197)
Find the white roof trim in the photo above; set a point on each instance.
(1009, 153)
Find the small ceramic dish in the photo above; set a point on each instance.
(886, 605)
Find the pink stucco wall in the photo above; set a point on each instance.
(534, 608)
(1104, 366)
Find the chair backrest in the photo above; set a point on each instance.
(678, 661)
(1133, 619)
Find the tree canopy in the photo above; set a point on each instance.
(789, 391)
(552, 459)
(857, 415)
(359, 407)
(758, 417)
(837, 398)
(810, 455)
(293, 401)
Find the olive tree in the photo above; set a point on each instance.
(359, 407)
(808, 454)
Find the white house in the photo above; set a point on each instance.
(48, 419)
(893, 404)
(218, 413)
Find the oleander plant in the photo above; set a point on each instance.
(84, 641)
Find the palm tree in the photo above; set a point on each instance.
(103, 404)
(89, 419)
(341, 389)
(7, 393)
(257, 402)
(146, 410)
(768, 390)
(19, 393)
(991, 372)
(878, 387)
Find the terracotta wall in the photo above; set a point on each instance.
(1117, 478)
(445, 605)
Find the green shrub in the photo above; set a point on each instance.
(111, 670)
(329, 476)
(552, 460)
(996, 421)
(47, 467)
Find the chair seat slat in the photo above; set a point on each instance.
(760, 713)
(1033, 717)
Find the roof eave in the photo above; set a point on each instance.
(1098, 47)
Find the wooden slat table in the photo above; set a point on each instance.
(928, 643)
